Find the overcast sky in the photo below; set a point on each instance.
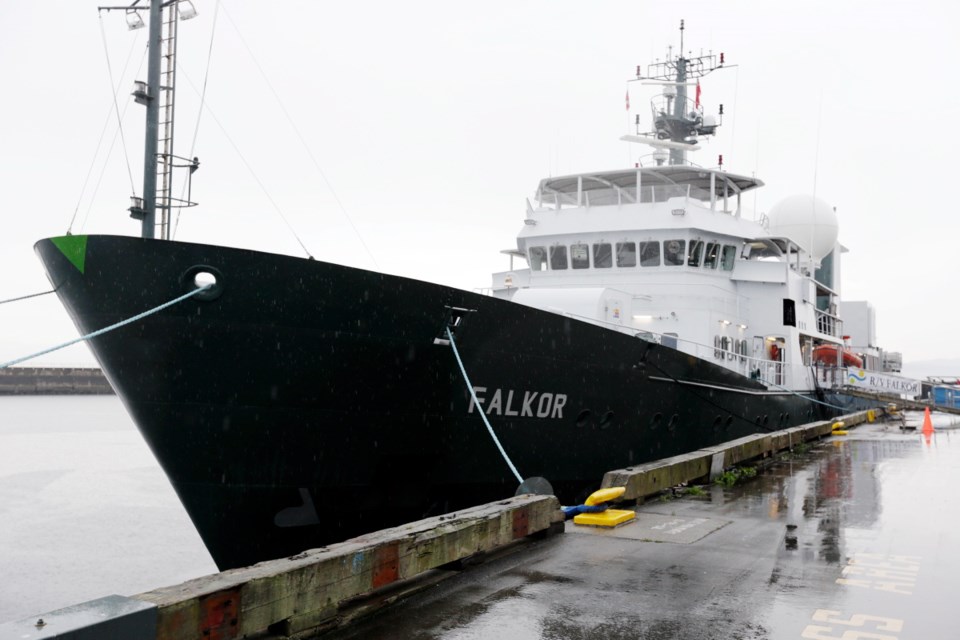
(432, 121)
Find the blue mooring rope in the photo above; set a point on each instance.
(480, 409)
(32, 295)
(99, 332)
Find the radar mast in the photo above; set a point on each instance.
(678, 121)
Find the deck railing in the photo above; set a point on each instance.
(775, 374)
(619, 195)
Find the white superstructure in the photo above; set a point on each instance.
(667, 253)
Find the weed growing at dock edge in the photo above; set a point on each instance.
(678, 492)
(731, 477)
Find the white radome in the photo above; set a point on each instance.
(808, 221)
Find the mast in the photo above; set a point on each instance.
(157, 94)
(677, 120)
(149, 220)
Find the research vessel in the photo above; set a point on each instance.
(295, 402)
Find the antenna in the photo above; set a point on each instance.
(157, 94)
(678, 121)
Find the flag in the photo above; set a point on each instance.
(628, 100)
(698, 95)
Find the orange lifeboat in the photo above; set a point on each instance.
(827, 354)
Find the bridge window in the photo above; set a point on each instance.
(538, 258)
(626, 254)
(649, 254)
(580, 256)
(674, 252)
(728, 258)
(713, 254)
(602, 256)
(696, 251)
(558, 257)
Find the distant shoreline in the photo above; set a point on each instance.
(41, 381)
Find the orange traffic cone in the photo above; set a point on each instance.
(927, 422)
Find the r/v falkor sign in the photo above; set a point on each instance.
(882, 382)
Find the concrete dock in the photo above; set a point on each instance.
(835, 535)
(856, 537)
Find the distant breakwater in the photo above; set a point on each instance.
(53, 381)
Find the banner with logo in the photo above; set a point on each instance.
(882, 382)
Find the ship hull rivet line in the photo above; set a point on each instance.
(473, 395)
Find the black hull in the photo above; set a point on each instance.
(308, 402)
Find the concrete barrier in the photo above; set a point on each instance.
(651, 478)
(293, 597)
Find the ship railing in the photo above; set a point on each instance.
(828, 324)
(596, 193)
(774, 373)
(830, 377)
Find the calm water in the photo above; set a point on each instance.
(85, 510)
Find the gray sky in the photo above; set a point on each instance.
(434, 120)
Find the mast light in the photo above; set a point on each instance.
(137, 212)
(186, 10)
(141, 94)
(134, 21)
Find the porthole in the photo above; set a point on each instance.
(655, 421)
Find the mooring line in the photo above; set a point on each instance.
(32, 295)
(100, 332)
(800, 395)
(480, 409)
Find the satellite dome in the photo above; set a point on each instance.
(808, 221)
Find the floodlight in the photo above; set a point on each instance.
(186, 10)
(134, 21)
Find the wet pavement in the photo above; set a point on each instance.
(856, 538)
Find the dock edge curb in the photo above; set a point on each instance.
(651, 478)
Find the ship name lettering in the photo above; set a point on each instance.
(534, 403)
(528, 398)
